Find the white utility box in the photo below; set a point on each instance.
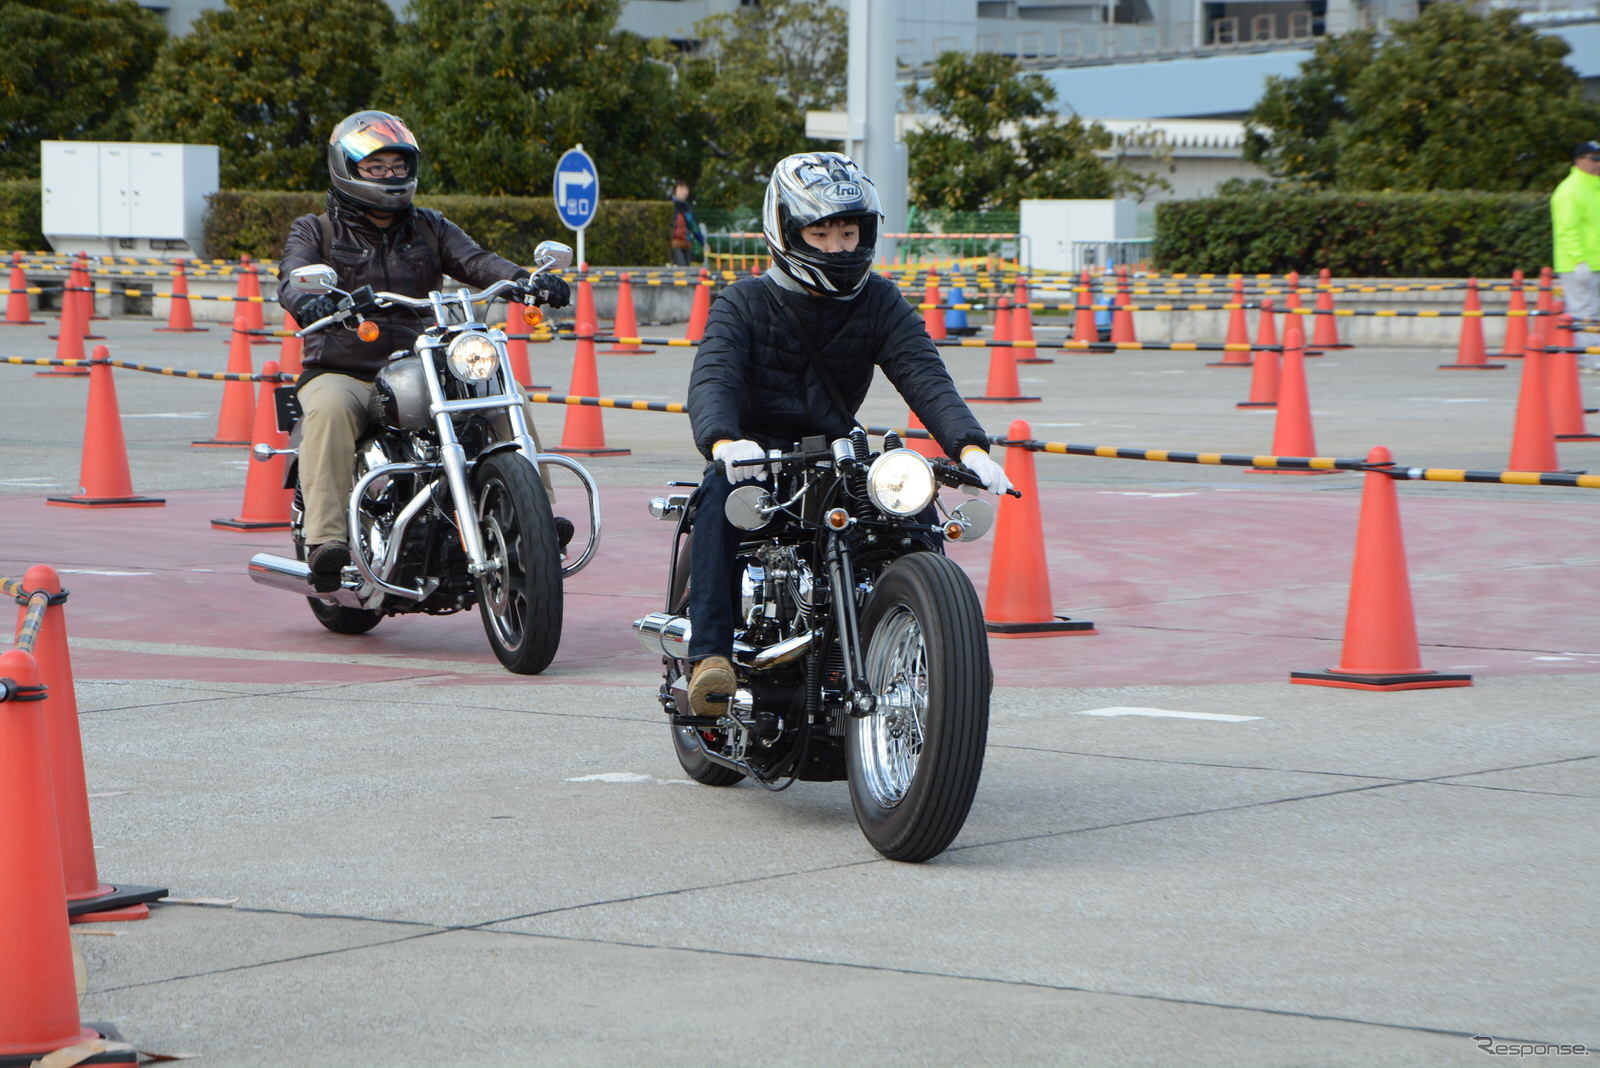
(1068, 235)
(127, 198)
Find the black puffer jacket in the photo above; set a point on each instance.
(752, 378)
(399, 259)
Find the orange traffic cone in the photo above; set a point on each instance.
(1003, 386)
(88, 899)
(1544, 305)
(1238, 331)
(266, 499)
(627, 324)
(1084, 328)
(1471, 354)
(38, 990)
(88, 295)
(1325, 330)
(1022, 325)
(1017, 603)
(237, 415)
(1561, 382)
(1264, 360)
(1292, 433)
(1533, 441)
(72, 327)
(1516, 340)
(1122, 320)
(293, 348)
(926, 446)
(250, 297)
(18, 312)
(1380, 630)
(700, 310)
(584, 433)
(932, 314)
(103, 475)
(180, 320)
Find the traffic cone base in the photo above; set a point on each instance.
(576, 451)
(218, 443)
(1421, 680)
(1469, 366)
(1253, 404)
(241, 524)
(1001, 400)
(107, 502)
(119, 903)
(1060, 625)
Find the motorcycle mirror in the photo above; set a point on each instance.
(748, 507)
(551, 256)
(977, 515)
(313, 278)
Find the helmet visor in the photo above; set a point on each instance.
(370, 137)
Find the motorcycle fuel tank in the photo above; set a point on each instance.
(403, 394)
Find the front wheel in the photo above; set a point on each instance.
(519, 596)
(914, 763)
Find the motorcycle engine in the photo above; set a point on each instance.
(772, 590)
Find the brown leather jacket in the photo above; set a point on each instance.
(400, 259)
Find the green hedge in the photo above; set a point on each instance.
(19, 216)
(1365, 235)
(625, 233)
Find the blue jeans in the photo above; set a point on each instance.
(712, 608)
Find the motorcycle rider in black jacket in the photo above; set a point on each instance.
(755, 385)
(373, 236)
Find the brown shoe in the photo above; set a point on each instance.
(711, 686)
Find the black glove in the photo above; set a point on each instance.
(364, 301)
(312, 308)
(546, 289)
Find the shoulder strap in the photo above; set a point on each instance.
(430, 235)
(325, 237)
(809, 347)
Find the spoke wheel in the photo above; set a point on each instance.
(914, 763)
(688, 743)
(519, 596)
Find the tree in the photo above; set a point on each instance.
(997, 140)
(748, 87)
(497, 90)
(71, 70)
(1454, 100)
(267, 80)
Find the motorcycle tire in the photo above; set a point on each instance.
(688, 743)
(337, 617)
(914, 764)
(520, 597)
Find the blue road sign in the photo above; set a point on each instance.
(577, 188)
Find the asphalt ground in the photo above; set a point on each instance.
(1175, 856)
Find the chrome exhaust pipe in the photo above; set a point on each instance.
(282, 573)
(664, 634)
(778, 653)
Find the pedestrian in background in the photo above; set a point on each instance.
(1575, 223)
(688, 239)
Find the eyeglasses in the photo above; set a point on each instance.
(382, 170)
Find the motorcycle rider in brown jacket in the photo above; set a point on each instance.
(373, 236)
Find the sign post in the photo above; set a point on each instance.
(577, 193)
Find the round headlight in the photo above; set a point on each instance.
(473, 357)
(901, 482)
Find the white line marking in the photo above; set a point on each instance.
(1144, 493)
(629, 777)
(166, 415)
(1164, 713)
(32, 480)
(91, 571)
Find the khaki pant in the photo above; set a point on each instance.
(335, 410)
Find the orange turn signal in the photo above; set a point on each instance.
(837, 518)
(368, 331)
(954, 531)
(532, 315)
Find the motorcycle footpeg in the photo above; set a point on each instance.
(697, 722)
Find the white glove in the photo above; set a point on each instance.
(731, 452)
(993, 475)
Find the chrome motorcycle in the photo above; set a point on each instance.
(448, 508)
(859, 647)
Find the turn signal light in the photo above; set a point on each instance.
(368, 331)
(837, 518)
(532, 315)
(954, 531)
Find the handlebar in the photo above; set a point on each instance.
(386, 299)
(944, 469)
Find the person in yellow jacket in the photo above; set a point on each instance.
(1575, 221)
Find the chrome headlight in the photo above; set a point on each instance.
(901, 482)
(472, 357)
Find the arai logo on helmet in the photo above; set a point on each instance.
(842, 192)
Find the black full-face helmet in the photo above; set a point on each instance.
(812, 187)
(359, 136)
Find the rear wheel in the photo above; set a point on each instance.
(519, 596)
(690, 743)
(337, 617)
(914, 763)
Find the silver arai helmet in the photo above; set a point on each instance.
(359, 136)
(810, 187)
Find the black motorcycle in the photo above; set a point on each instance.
(448, 509)
(859, 650)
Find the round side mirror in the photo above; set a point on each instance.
(977, 515)
(552, 256)
(748, 507)
(313, 278)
